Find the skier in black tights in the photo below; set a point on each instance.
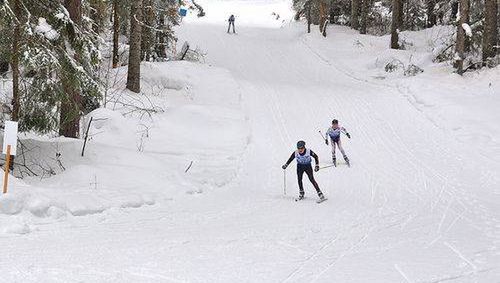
(304, 159)
(231, 23)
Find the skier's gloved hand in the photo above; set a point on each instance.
(316, 168)
(348, 135)
(284, 166)
(326, 141)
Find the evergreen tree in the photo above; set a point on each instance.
(55, 54)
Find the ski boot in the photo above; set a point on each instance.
(301, 197)
(322, 198)
(347, 161)
(334, 160)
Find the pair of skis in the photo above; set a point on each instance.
(335, 164)
(318, 201)
(297, 199)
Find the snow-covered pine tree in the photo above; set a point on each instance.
(5, 36)
(99, 13)
(167, 18)
(56, 53)
(414, 15)
(430, 6)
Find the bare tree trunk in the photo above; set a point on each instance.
(134, 61)
(454, 10)
(309, 20)
(15, 62)
(16, 93)
(365, 9)
(355, 7)
(71, 106)
(315, 12)
(148, 35)
(4, 67)
(161, 50)
(431, 14)
(323, 17)
(490, 38)
(401, 17)
(332, 13)
(95, 16)
(462, 41)
(397, 18)
(116, 33)
(4, 58)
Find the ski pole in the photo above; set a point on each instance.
(328, 166)
(284, 182)
(322, 136)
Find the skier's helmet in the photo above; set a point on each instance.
(301, 144)
(335, 121)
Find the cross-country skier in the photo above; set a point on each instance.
(231, 23)
(334, 134)
(304, 159)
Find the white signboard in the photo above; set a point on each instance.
(10, 137)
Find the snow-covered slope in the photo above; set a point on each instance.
(253, 13)
(137, 154)
(419, 204)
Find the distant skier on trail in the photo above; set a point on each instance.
(334, 134)
(304, 159)
(231, 23)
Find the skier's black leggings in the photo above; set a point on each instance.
(229, 27)
(309, 171)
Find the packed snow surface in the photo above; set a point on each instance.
(184, 183)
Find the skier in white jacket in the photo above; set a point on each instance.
(334, 134)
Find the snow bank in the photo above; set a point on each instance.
(459, 105)
(25, 206)
(135, 158)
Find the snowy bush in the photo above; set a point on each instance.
(394, 65)
(196, 55)
(413, 70)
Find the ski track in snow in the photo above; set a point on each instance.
(408, 210)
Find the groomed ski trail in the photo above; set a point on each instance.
(409, 208)
(408, 180)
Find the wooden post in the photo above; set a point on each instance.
(86, 136)
(7, 168)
